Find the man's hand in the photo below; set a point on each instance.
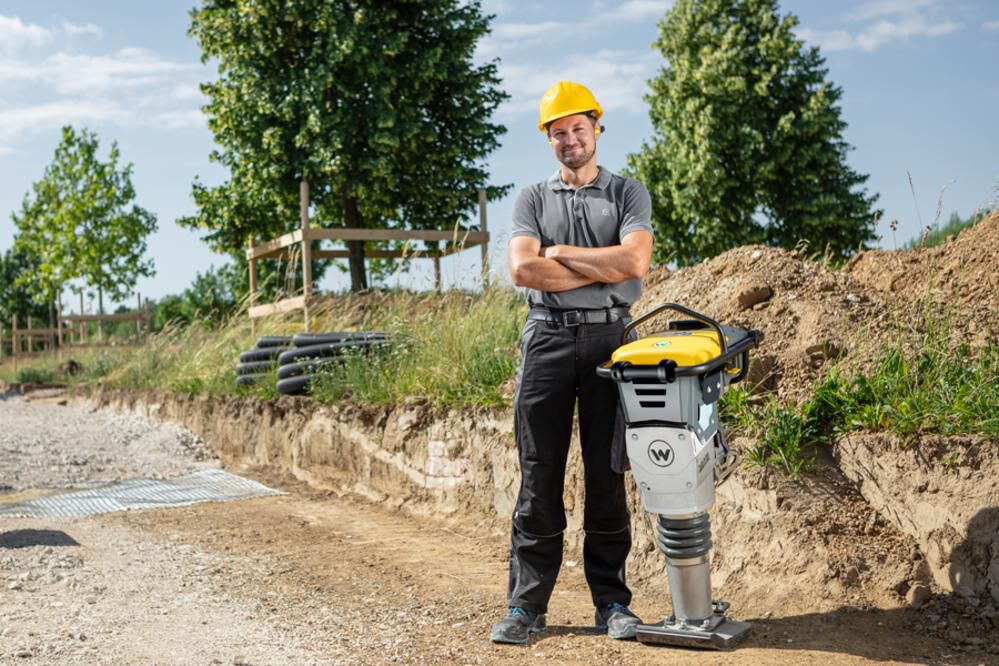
(613, 264)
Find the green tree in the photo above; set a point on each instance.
(748, 140)
(15, 297)
(376, 104)
(80, 220)
(211, 297)
(936, 235)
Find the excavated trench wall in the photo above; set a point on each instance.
(462, 463)
(944, 493)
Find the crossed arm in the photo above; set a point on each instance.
(564, 267)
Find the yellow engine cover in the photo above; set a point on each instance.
(683, 347)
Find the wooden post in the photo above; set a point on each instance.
(437, 273)
(138, 310)
(252, 264)
(303, 196)
(83, 329)
(30, 338)
(50, 338)
(13, 346)
(484, 227)
(59, 318)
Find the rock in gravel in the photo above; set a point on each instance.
(918, 595)
(753, 293)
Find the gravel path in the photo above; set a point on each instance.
(90, 592)
(47, 443)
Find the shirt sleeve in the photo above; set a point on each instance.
(636, 213)
(525, 218)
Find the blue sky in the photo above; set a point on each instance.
(920, 82)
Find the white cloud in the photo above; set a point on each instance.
(131, 87)
(129, 67)
(992, 26)
(637, 10)
(881, 8)
(14, 122)
(497, 7)
(74, 30)
(521, 32)
(617, 79)
(888, 21)
(879, 34)
(509, 37)
(15, 33)
(71, 74)
(182, 119)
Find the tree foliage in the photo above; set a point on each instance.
(212, 296)
(377, 105)
(16, 298)
(80, 221)
(748, 140)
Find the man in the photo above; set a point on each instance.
(581, 242)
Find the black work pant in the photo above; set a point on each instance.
(558, 367)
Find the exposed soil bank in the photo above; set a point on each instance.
(943, 492)
(815, 545)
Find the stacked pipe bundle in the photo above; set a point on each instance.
(300, 357)
(256, 364)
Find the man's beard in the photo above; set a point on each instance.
(577, 158)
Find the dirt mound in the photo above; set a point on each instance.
(958, 280)
(810, 315)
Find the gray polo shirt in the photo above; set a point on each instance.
(596, 215)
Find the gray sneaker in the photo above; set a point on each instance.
(617, 620)
(517, 626)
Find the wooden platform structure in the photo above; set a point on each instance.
(299, 242)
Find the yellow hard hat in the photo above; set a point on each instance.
(567, 98)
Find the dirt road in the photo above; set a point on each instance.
(312, 578)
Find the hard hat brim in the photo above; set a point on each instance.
(543, 125)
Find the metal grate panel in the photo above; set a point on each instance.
(212, 485)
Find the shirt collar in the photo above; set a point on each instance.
(601, 182)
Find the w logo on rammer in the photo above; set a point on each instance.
(661, 453)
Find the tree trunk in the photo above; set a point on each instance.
(100, 311)
(355, 249)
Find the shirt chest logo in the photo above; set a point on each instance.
(605, 212)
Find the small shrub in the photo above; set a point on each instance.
(34, 375)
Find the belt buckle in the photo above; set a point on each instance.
(572, 318)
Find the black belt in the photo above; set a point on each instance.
(577, 317)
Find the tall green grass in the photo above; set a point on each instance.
(452, 348)
(928, 388)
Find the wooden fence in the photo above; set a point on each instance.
(70, 330)
(300, 242)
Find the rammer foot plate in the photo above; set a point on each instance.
(725, 636)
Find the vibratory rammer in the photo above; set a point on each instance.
(670, 383)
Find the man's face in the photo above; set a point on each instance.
(573, 139)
